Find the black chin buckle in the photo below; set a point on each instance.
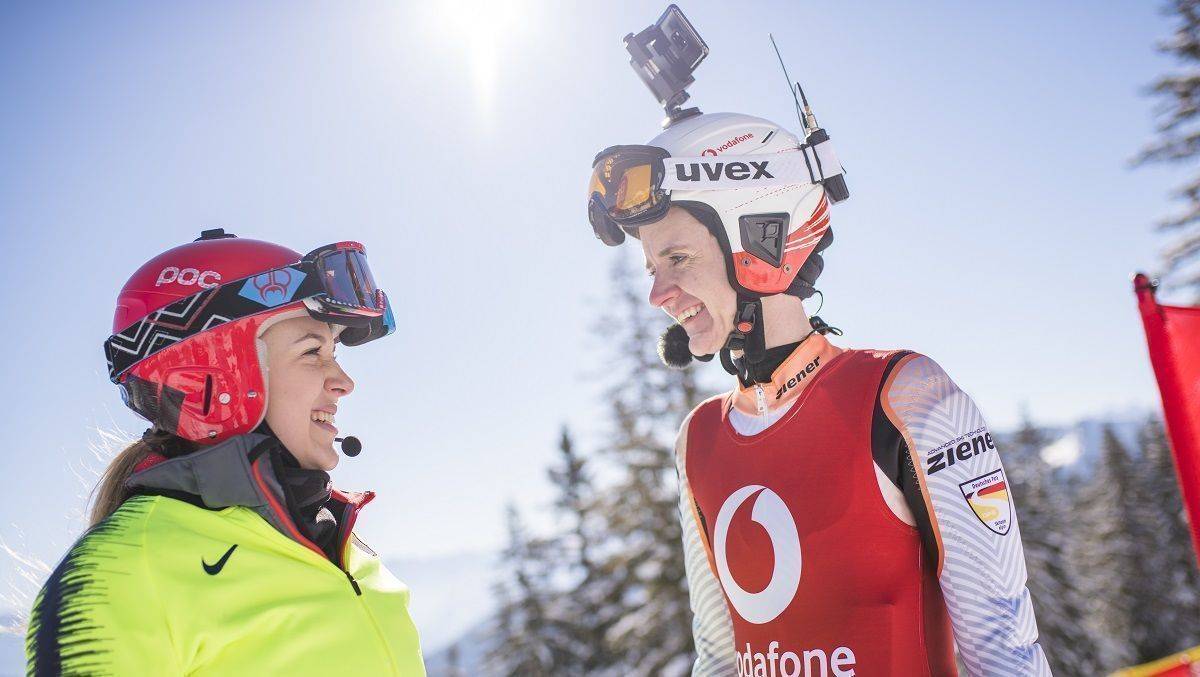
(744, 327)
(747, 317)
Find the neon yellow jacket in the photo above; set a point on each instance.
(163, 586)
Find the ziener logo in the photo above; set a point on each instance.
(799, 377)
(963, 448)
(773, 515)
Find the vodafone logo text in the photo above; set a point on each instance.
(773, 515)
(727, 145)
(188, 276)
(808, 663)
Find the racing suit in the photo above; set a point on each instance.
(851, 516)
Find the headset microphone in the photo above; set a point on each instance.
(673, 347)
(350, 445)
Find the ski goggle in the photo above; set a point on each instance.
(631, 185)
(626, 190)
(334, 282)
(342, 283)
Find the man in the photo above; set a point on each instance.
(844, 511)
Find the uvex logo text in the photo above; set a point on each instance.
(188, 276)
(735, 171)
(966, 447)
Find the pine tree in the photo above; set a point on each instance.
(1107, 552)
(1178, 115)
(643, 562)
(1173, 617)
(584, 616)
(526, 640)
(452, 659)
(1046, 521)
(607, 595)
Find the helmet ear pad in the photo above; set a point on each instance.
(805, 283)
(206, 388)
(762, 277)
(708, 216)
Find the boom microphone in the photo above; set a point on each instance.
(350, 445)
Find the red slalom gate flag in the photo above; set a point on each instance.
(1173, 337)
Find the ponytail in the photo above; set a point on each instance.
(111, 491)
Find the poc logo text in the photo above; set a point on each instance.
(206, 279)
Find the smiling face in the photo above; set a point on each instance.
(690, 283)
(304, 384)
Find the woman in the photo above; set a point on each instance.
(217, 545)
(883, 532)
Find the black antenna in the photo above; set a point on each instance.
(789, 83)
(810, 120)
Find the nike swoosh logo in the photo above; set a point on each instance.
(214, 569)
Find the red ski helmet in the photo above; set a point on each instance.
(185, 349)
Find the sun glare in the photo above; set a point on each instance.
(484, 34)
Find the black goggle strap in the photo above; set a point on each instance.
(602, 224)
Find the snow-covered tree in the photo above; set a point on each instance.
(1173, 616)
(452, 663)
(1106, 553)
(583, 590)
(1046, 523)
(644, 559)
(606, 594)
(1178, 142)
(526, 639)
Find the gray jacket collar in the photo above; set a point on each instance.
(236, 472)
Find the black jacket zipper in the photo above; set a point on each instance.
(353, 583)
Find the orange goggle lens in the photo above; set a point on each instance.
(634, 192)
(626, 192)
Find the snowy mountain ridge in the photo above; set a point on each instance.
(1076, 448)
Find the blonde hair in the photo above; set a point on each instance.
(111, 491)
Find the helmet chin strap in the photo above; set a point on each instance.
(748, 336)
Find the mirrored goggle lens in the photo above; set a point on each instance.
(625, 191)
(347, 279)
(362, 330)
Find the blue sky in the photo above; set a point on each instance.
(993, 223)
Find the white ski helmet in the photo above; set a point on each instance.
(751, 182)
(760, 190)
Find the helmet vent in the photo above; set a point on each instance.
(208, 388)
(763, 236)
